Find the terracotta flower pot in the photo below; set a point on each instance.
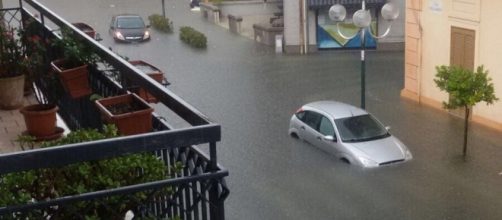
(40, 119)
(75, 80)
(11, 92)
(87, 29)
(152, 72)
(130, 113)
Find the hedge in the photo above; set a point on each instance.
(160, 23)
(193, 37)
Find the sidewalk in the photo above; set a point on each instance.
(247, 24)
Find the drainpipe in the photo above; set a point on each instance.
(305, 28)
(302, 29)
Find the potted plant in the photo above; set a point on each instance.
(152, 72)
(40, 119)
(35, 50)
(86, 177)
(13, 67)
(130, 113)
(72, 68)
(87, 29)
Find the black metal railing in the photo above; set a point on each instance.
(197, 192)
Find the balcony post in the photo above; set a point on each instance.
(216, 208)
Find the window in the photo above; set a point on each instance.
(326, 128)
(312, 119)
(301, 116)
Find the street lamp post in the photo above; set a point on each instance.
(163, 9)
(362, 20)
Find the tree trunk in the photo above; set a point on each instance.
(466, 127)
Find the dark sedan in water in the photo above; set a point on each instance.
(129, 28)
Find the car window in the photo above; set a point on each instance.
(130, 22)
(301, 116)
(312, 119)
(326, 127)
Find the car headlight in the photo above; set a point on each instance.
(146, 35)
(367, 162)
(119, 36)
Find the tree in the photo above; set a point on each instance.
(466, 88)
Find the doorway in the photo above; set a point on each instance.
(462, 54)
(462, 47)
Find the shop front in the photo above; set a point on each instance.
(326, 31)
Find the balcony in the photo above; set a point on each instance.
(197, 191)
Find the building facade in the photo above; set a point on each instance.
(308, 28)
(452, 32)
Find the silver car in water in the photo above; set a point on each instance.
(349, 133)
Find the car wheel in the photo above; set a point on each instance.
(345, 160)
(294, 135)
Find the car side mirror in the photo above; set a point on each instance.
(112, 28)
(98, 37)
(387, 128)
(329, 138)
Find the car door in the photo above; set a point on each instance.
(308, 129)
(326, 128)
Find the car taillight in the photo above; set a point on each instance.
(299, 110)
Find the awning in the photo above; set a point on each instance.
(347, 3)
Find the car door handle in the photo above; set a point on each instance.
(302, 127)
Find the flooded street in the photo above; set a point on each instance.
(252, 92)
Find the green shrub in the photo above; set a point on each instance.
(193, 37)
(160, 23)
(49, 183)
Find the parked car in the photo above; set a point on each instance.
(194, 3)
(129, 28)
(349, 133)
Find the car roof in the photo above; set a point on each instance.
(126, 15)
(337, 109)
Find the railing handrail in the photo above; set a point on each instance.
(107, 148)
(176, 104)
(116, 191)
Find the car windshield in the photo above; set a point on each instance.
(360, 128)
(130, 22)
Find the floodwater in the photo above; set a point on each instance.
(252, 92)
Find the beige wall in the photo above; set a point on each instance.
(436, 17)
(490, 53)
(291, 22)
